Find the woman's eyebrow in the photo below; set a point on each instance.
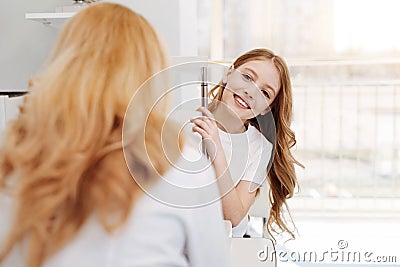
(255, 74)
(252, 71)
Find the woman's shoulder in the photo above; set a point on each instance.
(257, 138)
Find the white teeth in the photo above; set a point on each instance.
(238, 99)
(242, 102)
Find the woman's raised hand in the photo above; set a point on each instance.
(207, 127)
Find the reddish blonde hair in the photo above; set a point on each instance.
(63, 159)
(281, 175)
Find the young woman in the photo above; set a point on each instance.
(73, 200)
(247, 128)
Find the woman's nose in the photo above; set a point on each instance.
(247, 94)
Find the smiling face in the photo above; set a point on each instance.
(251, 88)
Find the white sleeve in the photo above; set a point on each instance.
(206, 239)
(207, 243)
(169, 235)
(256, 171)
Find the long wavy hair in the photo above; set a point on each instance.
(63, 157)
(281, 174)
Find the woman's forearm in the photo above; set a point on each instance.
(236, 200)
(232, 206)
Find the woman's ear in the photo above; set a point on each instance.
(227, 74)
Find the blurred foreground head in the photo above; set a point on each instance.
(63, 156)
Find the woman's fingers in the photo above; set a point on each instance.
(201, 131)
(208, 117)
(201, 122)
(206, 123)
(210, 122)
(206, 112)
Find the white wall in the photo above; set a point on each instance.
(25, 44)
(9, 110)
(175, 21)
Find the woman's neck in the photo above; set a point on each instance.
(227, 120)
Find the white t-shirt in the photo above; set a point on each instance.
(248, 155)
(155, 234)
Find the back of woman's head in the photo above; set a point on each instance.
(63, 158)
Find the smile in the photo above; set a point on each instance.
(241, 102)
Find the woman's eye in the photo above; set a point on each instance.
(247, 77)
(265, 93)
